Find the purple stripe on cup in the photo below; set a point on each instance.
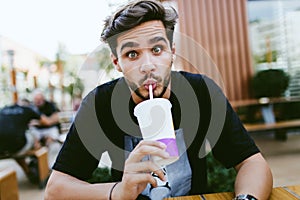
(171, 146)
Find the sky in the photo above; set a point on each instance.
(41, 25)
(268, 9)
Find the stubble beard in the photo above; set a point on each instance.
(137, 89)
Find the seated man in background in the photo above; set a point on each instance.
(49, 132)
(16, 138)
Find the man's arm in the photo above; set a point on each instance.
(136, 176)
(49, 121)
(64, 186)
(254, 177)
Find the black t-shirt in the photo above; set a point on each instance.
(13, 124)
(47, 109)
(199, 107)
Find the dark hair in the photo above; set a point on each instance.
(134, 14)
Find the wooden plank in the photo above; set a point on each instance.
(192, 197)
(219, 196)
(281, 193)
(8, 185)
(43, 165)
(294, 190)
(42, 156)
(273, 126)
(224, 40)
(278, 193)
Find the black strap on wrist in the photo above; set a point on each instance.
(111, 190)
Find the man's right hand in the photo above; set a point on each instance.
(137, 173)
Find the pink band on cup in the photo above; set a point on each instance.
(171, 146)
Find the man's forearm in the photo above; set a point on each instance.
(67, 187)
(49, 121)
(54, 118)
(254, 177)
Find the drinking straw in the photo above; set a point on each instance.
(150, 91)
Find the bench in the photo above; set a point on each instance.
(65, 120)
(42, 163)
(280, 127)
(8, 185)
(270, 114)
(273, 126)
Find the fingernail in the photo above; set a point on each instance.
(163, 145)
(166, 154)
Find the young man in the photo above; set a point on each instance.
(141, 40)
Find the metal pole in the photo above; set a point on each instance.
(11, 54)
(35, 84)
(60, 67)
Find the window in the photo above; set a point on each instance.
(274, 27)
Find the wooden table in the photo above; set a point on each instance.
(295, 189)
(278, 193)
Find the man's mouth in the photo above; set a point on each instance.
(153, 83)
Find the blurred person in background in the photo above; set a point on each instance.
(16, 136)
(46, 133)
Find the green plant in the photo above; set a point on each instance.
(219, 179)
(270, 83)
(100, 175)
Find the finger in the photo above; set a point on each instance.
(161, 174)
(139, 179)
(148, 148)
(152, 143)
(143, 150)
(145, 167)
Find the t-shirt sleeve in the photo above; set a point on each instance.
(82, 149)
(74, 159)
(32, 113)
(53, 107)
(234, 144)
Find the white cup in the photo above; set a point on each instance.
(155, 121)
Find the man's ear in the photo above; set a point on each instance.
(173, 48)
(115, 62)
(173, 52)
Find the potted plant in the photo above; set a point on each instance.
(270, 83)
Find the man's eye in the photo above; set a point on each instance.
(157, 50)
(131, 54)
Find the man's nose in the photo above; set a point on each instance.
(147, 65)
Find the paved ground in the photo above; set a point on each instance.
(283, 158)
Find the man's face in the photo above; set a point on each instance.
(38, 100)
(144, 58)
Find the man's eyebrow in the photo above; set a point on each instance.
(129, 44)
(157, 39)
